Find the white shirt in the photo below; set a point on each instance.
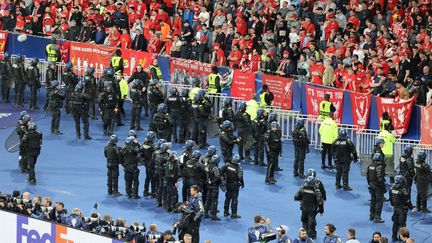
(353, 241)
(360, 54)
(205, 16)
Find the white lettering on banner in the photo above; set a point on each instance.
(2, 35)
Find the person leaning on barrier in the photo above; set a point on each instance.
(116, 61)
(326, 108)
(328, 132)
(389, 140)
(343, 152)
(266, 96)
(55, 103)
(214, 82)
(422, 179)
(52, 51)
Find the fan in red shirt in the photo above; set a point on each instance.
(339, 73)
(125, 39)
(218, 58)
(330, 26)
(255, 61)
(20, 24)
(308, 26)
(47, 25)
(354, 20)
(241, 24)
(316, 71)
(246, 43)
(154, 44)
(245, 63)
(235, 57)
(350, 80)
(147, 26)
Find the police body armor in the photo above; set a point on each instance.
(70, 80)
(113, 154)
(234, 175)
(300, 138)
(422, 171)
(32, 75)
(34, 140)
(343, 150)
(50, 76)
(173, 103)
(147, 151)
(109, 100)
(213, 177)
(406, 166)
(18, 71)
(130, 157)
(154, 95)
(136, 95)
(399, 197)
(160, 162)
(76, 102)
(309, 197)
(192, 172)
(375, 175)
(90, 85)
(162, 121)
(55, 102)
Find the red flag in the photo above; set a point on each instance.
(183, 71)
(243, 85)
(89, 55)
(426, 125)
(360, 104)
(399, 111)
(132, 58)
(3, 40)
(314, 96)
(282, 90)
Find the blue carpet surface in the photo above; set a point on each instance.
(74, 172)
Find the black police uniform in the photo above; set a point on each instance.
(227, 139)
(56, 98)
(273, 141)
(113, 154)
(301, 147)
(109, 80)
(147, 153)
(260, 126)
(187, 155)
(22, 129)
(193, 171)
(90, 88)
(174, 109)
(70, 80)
(311, 203)
(33, 81)
(343, 149)
(5, 78)
(50, 75)
(161, 160)
(423, 172)
(130, 154)
(32, 142)
(154, 97)
(143, 76)
(401, 202)
(18, 70)
(213, 180)
(172, 174)
(201, 113)
(232, 176)
(185, 120)
(227, 113)
(107, 105)
(243, 124)
(138, 97)
(78, 102)
(406, 167)
(162, 123)
(376, 182)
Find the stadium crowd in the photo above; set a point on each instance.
(379, 47)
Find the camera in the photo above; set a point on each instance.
(266, 237)
(153, 236)
(5, 198)
(138, 228)
(46, 209)
(90, 219)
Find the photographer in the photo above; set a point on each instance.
(137, 232)
(259, 229)
(74, 220)
(105, 226)
(46, 208)
(21, 204)
(167, 237)
(185, 221)
(36, 210)
(121, 231)
(91, 223)
(153, 234)
(59, 214)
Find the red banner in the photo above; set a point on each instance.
(399, 111)
(282, 90)
(64, 50)
(426, 125)
(314, 96)
(132, 58)
(243, 84)
(3, 40)
(360, 104)
(89, 55)
(184, 71)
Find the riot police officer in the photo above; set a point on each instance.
(162, 122)
(174, 104)
(243, 124)
(185, 116)
(148, 148)
(143, 76)
(107, 107)
(213, 179)
(172, 174)
(301, 147)
(70, 80)
(211, 151)
(227, 140)
(90, 88)
(5, 76)
(406, 167)
(311, 203)
(161, 160)
(130, 153)
(137, 96)
(422, 177)
(22, 129)
(56, 98)
(201, 108)
(154, 97)
(193, 170)
(32, 142)
(108, 79)
(185, 157)
(50, 76)
(77, 103)
(318, 184)
(113, 154)
(273, 118)
(273, 141)
(18, 70)
(227, 112)
(33, 75)
(232, 179)
(260, 126)
(376, 183)
(401, 202)
(343, 149)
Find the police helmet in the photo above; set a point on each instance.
(105, 71)
(226, 125)
(201, 93)
(113, 139)
(34, 62)
(272, 117)
(136, 83)
(110, 72)
(379, 141)
(130, 139)
(79, 86)
(211, 151)
(311, 172)
(154, 81)
(215, 159)
(161, 141)
(165, 146)
(310, 181)
(408, 150)
(162, 107)
(68, 67)
(422, 155)
(23, 113)
(242, 106)
(196, 154)
(377, 157)
(274, 125)
(400, 180)
(90, 71)
(173, 91)
(342, 133)
(235, 159)
(6, 56)
(26, 118)
(189, 144)
(228, 101)
(300, 123)
(260, 112)
(132, 133)
(174, 156)
(32, 126)
(185, 92)
(54, 83)
(150, 136)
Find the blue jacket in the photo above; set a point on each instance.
(255, 232)
(188, 16)
(74, 221)
(332, 239)
(196, 205)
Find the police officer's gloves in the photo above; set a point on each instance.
(196, 218)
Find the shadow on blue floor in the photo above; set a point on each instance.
(75, 172)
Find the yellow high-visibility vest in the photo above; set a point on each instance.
(328, 131)
(383, 123)
(324, 109)
(212, 83)
(252, 108)
(158, 72)
(389, 140)
(262, 99)
(115, 62)
(52, 54)
(193, 93)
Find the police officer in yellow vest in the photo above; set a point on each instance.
(266, 96)
(194, 91)
(155, 71)
(214, 81)
(386, 119)
(124, 90)
(252, 107)
(52, 51)
(325, 107)
(329, 133)
(389, 140)
(117, 61)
